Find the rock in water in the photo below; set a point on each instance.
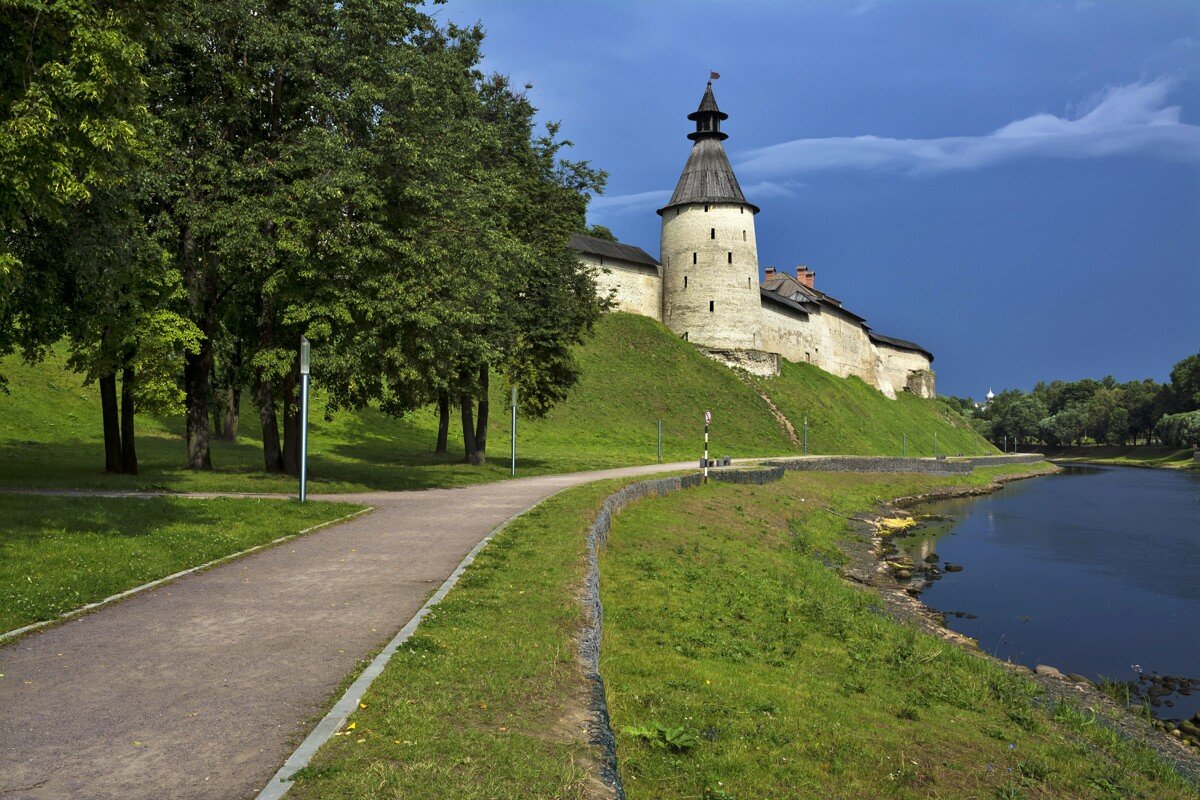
(953, 567)
(1048, 671)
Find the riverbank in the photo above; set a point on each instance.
(1129, 456)
(880, 567)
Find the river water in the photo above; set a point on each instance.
(1095, 570)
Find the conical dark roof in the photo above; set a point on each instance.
(708, 103)
(707, 177)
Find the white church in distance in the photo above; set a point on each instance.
(705, 286)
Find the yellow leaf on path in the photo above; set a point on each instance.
(352, 726)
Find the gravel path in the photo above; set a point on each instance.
(201, 688)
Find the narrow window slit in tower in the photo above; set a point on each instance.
(711, 303)
(693, 258)
(743, 235)
(685, 281)
(729, 257)
(712, 233)
(706, 208)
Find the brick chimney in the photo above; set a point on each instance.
(769, 272)
(805, 275)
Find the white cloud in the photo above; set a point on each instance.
(605, 207)
(1131, 119)
(623, 203)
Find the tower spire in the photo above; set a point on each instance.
(708, 118)
(707, 177)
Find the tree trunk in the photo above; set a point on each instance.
(443, 422)
(112, 430)
(233, 413)
(481, 425)
(472, 454)
(272, 455)
(200, 279)
(129, 463)
(196, 369)
(291, 422)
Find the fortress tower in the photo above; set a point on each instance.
(709, 256)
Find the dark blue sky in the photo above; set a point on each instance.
(1014, 185)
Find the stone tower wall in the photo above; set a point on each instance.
(710, 288)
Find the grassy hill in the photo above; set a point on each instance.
(635, 372)
(846, 415)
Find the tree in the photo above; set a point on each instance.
(1185, 384)
(1100, 410)
(1139, 399)
(601, 232)
(72, 100)
(1118, 426)
(1063, 429)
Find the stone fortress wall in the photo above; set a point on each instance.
(636, 288)
(706, 285)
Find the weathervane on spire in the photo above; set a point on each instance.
(712, 76)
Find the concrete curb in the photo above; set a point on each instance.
(281, 782)
(75, 612)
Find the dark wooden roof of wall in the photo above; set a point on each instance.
(581, 243)
(900, 344)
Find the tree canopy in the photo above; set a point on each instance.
(193, 193)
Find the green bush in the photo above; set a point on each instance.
(1179, 430)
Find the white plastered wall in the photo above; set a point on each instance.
(637, 287)
(710, 275)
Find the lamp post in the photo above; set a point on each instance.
(514, 430)
(305, 364)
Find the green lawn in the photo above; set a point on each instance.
(1132, 456)
(721, 618)
(845, 415)
(60, 553)
(634, 373)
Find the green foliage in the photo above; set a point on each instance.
(72, 100)
(601, 232)
(1185, 384)
(1180, 430)
(676, 740)
(1067, 427)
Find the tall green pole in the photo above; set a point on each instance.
(305, 361)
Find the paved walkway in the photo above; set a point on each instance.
(202, 687)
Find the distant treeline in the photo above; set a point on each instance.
(1062, 413)
(187, 188)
